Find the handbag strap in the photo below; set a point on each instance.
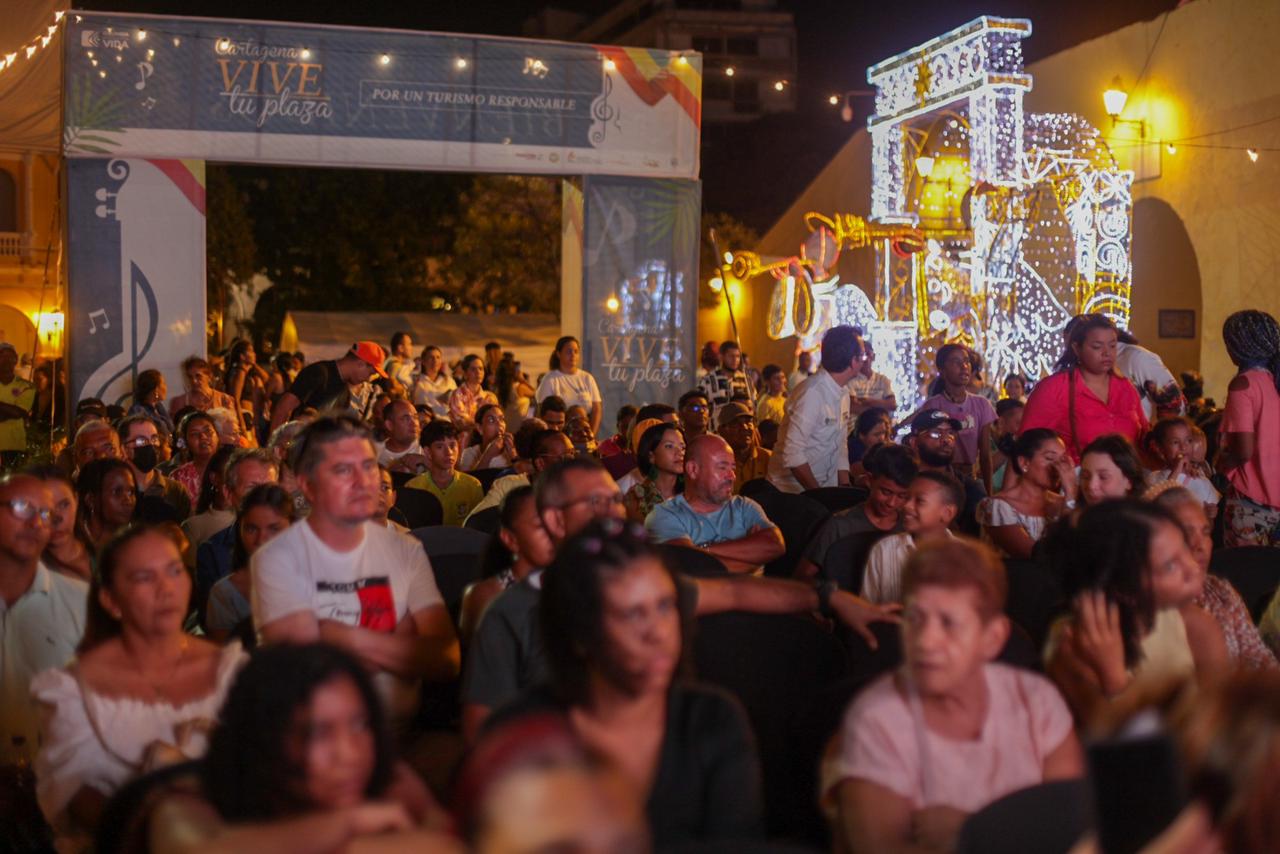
(1071, 411)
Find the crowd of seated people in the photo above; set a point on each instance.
(386, 603)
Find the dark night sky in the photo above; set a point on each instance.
(838, 39)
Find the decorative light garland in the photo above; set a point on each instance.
(31, 48)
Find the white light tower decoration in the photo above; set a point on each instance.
(1027, 218)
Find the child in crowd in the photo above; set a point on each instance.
(933, 503)
(458, 492)
(1171, 441)
(997, 434)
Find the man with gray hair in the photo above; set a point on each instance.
(247, 468)
(95, 441)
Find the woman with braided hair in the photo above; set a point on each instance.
(1251, 430)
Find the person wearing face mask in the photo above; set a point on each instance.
(141, 440)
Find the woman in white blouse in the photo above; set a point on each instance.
(570, 383)
(432, 384)
(141, 693)
(1014, 519)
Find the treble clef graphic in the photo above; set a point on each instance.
(150, 314)
(603, 112)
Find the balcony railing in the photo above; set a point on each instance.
(13, 244)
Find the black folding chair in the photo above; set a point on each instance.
(691, 561)
(455, 560)
(1254, 571)
(846, 559)
(837, 498)
(757, 487)
(1049, 819)
(420, 508)
(487, 521)
(798, 518)
(488, 476)
(1035, 597)
(777, 665)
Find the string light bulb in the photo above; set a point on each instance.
(1253, 154)
(833, 100)
(306, 53)
(682, 61)
(780, 85)
(460, 63)
(729, 72)
(610, 65)
(385, 59)
(612, 304)
(142, 35)
(1170, 148)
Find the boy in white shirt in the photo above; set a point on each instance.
(934, 501)
(1171, 440)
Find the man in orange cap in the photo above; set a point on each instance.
(329, 384)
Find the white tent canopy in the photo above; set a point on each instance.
(30, 88)
(329, 334)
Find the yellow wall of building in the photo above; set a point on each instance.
(24, 278)
(1207, 224)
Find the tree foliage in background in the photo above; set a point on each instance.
(232, 253)
(335, 240)
(506, 244)
(732, 235)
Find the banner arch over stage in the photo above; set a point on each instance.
(148, 99)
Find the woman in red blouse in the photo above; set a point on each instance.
(1085, 398)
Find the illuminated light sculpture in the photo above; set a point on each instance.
(991, 227)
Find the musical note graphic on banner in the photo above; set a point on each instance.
(108, 208)
(145, 70)
(106, 321)
(143, 321)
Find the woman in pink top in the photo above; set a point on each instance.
(952, 731)
(1251, 430)
(1085, 398)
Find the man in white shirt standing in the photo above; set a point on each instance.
(871, 388)
(340, 577)
(812, 449)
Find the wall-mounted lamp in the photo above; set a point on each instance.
(1114, 101)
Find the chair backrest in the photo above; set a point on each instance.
(690, 561)
(448, 539)
(1254, 571)
(420, 508)
(777, 665)
(757, 487)
(1035, 597)
(846, 559)
(1048, 818)
(837, 498)
(798, 518)
(400, 478)
(488, 476)
(487, 521)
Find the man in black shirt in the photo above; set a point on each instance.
(327, 384)
(933, 436)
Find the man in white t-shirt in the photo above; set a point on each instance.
(401, 451)
(341, 578)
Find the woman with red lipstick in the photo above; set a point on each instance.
(611, 621)
(141, 694)
(1086, 398)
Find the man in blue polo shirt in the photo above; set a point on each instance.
(710, 517)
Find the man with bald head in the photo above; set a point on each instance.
(708, 516)
(41, 615)
(96, 441)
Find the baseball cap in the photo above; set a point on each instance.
(930, 418)
(371, 354)
(731, 412)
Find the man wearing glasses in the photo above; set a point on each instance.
(41, 621)
(934, 434)
(141, 440)
(695, 414)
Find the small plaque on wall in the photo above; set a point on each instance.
(1177, 323)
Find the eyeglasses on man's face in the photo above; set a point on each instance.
(24, 510)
